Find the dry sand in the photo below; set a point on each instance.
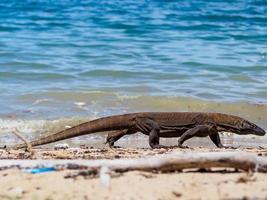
(214, 184)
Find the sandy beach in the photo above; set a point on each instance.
(64, 63)
(77, 184)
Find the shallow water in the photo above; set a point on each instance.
(65, 61)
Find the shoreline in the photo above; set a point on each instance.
(221, 183)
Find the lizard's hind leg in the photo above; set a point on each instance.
(115, 136)
(198, 131)
(150, 128)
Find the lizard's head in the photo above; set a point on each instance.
(245, 127)
(241, 126)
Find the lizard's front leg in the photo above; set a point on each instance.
(215, 138)
(217, 141)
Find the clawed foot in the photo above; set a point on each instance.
(115, 147)
(110, 142)
(228, 147)
(183, 147)
(157, 146)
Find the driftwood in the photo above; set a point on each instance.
(16, 132)
(167, 162)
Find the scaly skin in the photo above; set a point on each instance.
(158, 124)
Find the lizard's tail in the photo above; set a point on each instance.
(117, 122)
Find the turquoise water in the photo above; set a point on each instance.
(72, 60)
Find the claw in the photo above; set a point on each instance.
(158, 146)
(229, 147)
(183, 147)
(115, 147)
(109, 142)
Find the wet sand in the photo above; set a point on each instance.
(189, 184)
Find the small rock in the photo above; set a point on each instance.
(177, 194)
(75, 149)
(16, 191)
(61, 146)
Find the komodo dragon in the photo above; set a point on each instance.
(158, 124)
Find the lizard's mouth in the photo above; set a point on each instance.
(258, 131)
(253, 131)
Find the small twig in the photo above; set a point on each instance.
(17, 133)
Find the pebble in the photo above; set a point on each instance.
(16, 191)
(61, 146)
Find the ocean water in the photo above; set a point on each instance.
(65, 61)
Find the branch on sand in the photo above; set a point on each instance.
(179, 161)
(168, 162)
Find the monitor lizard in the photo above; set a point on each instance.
(184, 125)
